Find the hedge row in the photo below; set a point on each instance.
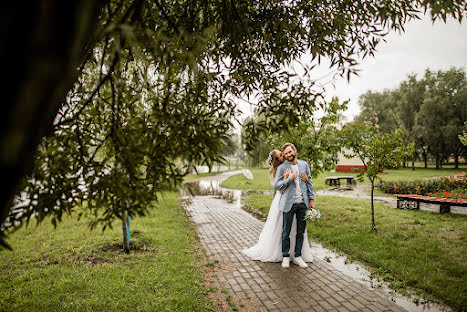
(451, 186)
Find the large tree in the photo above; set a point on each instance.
(412, 92)
(376, 150)
(463, 136)
(379, 108)
(315, 136)
(429, 112)
(234, 48)
(443, 113)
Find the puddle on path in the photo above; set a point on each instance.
(210, 186)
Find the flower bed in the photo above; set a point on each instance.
(451, 186)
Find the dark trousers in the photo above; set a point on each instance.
(300, 211)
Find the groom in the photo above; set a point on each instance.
(297, 197)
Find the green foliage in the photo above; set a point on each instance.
(72, 269)
(252, 134)
(375, 149)
(379, 108)
(429, 112)
(231, 147)
(157, 87)
(125, 145)
(454, 185)
(463, 137)
(443, 113)
(421, 173)
(315, 138)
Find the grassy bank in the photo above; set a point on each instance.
(261, 180)
(191, 177)
(418, 173)
(72, 268)
(261, 177)
(240, 182)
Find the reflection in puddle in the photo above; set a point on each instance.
(210, 186)
(361, 274)
(203, 187)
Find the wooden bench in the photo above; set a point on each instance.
(336, 180)
(431, 204)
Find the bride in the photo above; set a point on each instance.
(269, 245)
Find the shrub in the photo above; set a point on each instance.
(451, 186)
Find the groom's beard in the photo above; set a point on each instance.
(291, 157)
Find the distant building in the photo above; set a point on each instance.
(347, 164)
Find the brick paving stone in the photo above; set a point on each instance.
(225, 230)
(350, 306)
(317, 309)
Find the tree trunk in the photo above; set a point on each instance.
(44, 45)
(456, 160)
(373, 225)
(437, 161)
(126, 231)
(413, 163)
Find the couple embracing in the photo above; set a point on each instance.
(284, 232)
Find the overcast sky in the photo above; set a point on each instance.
(423, 45)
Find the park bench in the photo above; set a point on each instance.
(432, 204)
(336, 180)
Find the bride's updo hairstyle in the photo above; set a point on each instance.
(274, 162)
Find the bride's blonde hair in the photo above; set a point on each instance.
(274, 162)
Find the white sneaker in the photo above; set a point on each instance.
(285, 262)
(299, 261)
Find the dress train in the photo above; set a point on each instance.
(269, 245)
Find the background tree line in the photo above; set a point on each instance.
(429, 111)
(315, 135)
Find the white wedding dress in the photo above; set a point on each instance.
(269, 245)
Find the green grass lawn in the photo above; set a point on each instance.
(261, 177)
(418, 173)
(240, 182)
(412, 249)
(72, 268)
(261, 180)
(194, 176)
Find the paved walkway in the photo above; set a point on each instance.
(225, 230)
(359, 192)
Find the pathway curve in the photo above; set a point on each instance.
(361, 191)
(225, 230)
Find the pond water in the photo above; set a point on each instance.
(210, 186)
(215, 168)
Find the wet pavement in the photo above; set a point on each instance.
(225, 230)
(360, 191)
